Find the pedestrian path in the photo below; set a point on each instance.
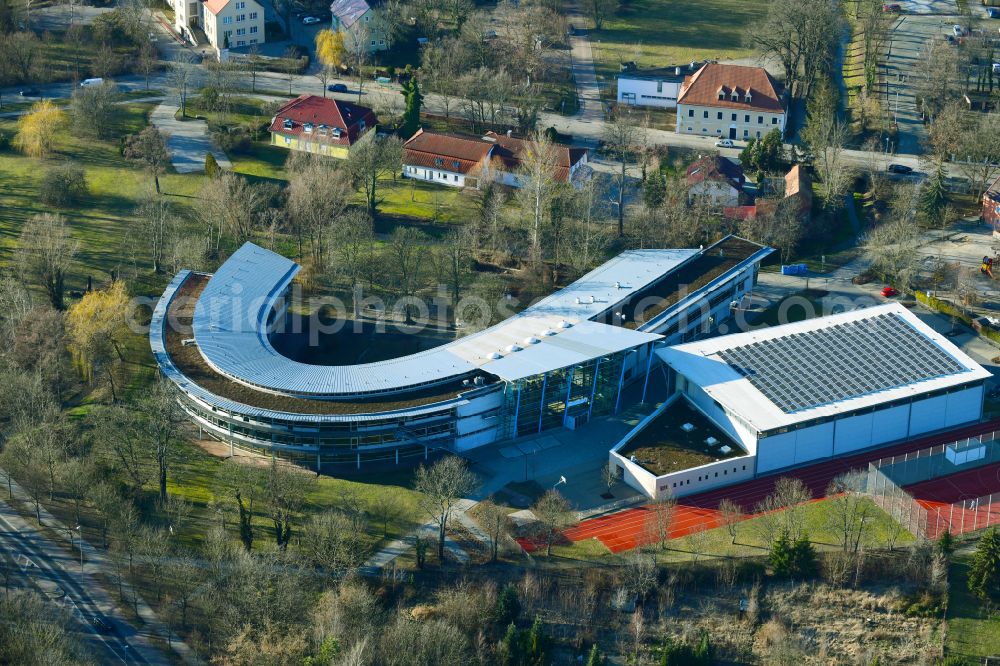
(187, 141)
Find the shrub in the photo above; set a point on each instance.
(508, 606)
(236, 140)
(63, 185)
(211, 166)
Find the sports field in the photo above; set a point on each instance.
(962, 502)
(627, 529)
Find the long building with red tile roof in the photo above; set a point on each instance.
(460, 161)
(730, 102)
(320, 125)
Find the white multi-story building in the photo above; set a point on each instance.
(730, 102)
(226, 23)
(653, 87)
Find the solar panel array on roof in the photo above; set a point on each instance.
(805, 370)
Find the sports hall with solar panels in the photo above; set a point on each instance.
(815, 389)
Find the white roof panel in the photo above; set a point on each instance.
(230, 324)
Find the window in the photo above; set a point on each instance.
(774, 121)
(758, 134)
(367, 18)
(760, 120)
(734, 118)
(241, 5)
(690, 113)
(240, 18)
(456, 179)
(456, 165)
(746, 133)
(746, 118)
(719, 116)
(253, 41)
(704, 114)
(253, 31)
(659, 86)
(253, 16)
(373, 42)
(240, 32)
(227, 20)
(438, 161)
(381, 42)
(722, 94)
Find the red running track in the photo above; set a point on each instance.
(627, 529)
(950, 501)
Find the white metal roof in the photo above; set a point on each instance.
(230, 328)
(751, 373)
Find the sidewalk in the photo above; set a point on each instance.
(96, 564)
(188, 140)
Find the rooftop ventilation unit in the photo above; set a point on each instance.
(565, 324)
(531, 340)
(513, 348)
(495, 356)
(547, 332)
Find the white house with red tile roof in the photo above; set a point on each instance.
(730, 102)
(458, 161)
(226, 23)
(320, 125)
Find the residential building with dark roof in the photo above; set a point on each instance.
(730, 102)
(716, 178)
(357, 18)
(320, 125)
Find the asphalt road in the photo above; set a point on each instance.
(51, 568)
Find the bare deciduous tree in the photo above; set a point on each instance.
(495, 522)
(621, 137)
(45, 252)
(554, 515)
(732, 516)
(441, 486)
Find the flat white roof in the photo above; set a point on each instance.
(230, 327)
(822, 367)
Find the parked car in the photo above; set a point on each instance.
(892, 8)
(310, 20)
(337, 87)
(900, 169)
(86, 83)
(724, 143)
(993, 12)
(29, 92)
(957, 30)
(889, 292)
(996, 68)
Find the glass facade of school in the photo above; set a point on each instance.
(550, 400)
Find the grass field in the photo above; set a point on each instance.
(971, 633)
(654, 33)
(101, 223)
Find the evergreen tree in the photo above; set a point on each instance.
(411, 115)
(536, 648)
(945, 544)
(750, 156)
(769, 149)
(781, 559)
(508, 606)
(934, 198)
(984, 572)
(596, 657)
(212, 168)
(510, 647)
(654, 190)
(803, 558)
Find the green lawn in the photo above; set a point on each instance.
(655, 33)
(970, 632)
(263, 161)
(102, 222)
(408, 198)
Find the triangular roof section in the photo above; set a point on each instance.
(715, 83)
(347, 12)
